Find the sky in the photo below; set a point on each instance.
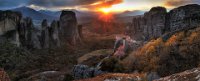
(94, 5)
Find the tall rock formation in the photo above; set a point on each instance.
(45, 34)
(149, 25)
(69, 27)
(54, 34)
(21, 31)
(8, 23)
(157, 21)
(154, 21)
(28, 35)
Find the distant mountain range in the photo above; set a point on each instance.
(82, 16)
(35, 15)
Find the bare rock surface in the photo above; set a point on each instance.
(189, 75)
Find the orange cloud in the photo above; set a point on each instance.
(174, 3)
(108, 3)
(103, 4)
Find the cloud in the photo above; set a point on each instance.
(107, 3)
(61, 3)
(79, 4)
(4, 4)
(174, 3)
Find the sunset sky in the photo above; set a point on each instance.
(94, 5)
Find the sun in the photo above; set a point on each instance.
(105, 10)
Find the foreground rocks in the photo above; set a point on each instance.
(189, 75)
(157, 21)
(83, 72)
(47, 76)
(116, 77)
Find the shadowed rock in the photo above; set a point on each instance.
(28, 35)
(45, 34)
(54, 34)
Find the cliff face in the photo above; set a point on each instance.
(157, 21)
(183, 17)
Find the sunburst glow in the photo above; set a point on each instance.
(105, 10)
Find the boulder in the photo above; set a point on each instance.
(83, 72)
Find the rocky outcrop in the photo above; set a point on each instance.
(48, 76)
(189, 75)
(157, 21)
(4, 76)
(69, 27)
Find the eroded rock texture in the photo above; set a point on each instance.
(149, 25)
(184, 17)
(157, 21)
(69, 27)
